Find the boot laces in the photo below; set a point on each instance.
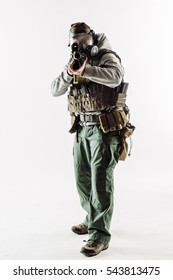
(91, 243)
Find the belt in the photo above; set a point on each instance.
(88, 119)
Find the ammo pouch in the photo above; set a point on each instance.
(114, 120)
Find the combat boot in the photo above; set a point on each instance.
(80, 229)
(93, 248)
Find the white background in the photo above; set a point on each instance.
(38, 198)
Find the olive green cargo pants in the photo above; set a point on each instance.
(95, 156)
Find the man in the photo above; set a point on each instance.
(92, 77)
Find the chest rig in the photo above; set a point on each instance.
(91, 97)
(87, 96)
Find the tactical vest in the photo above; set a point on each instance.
(94, 97)
(88, 96)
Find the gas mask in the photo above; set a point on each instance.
(80, 52)
(89, 50)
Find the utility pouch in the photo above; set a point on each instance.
(127, 131)
(114, 120)
(74, 123)
(124, 134)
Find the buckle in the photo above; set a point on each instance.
(89, 118)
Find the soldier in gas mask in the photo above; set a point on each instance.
(93, 79)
